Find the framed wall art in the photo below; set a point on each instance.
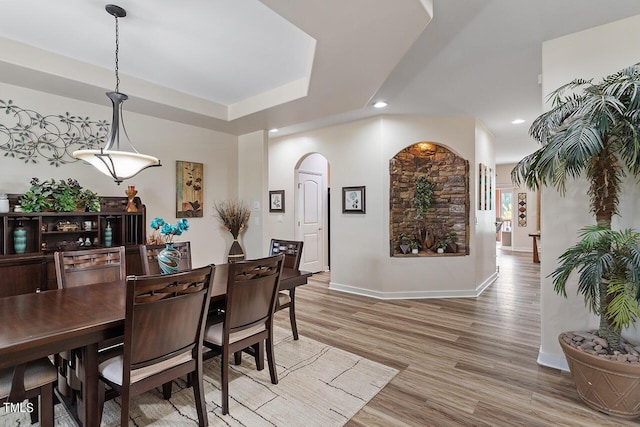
(522, 209)
(276, 201)
(189, 189)
(353, 200)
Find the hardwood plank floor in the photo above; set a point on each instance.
(462, 362)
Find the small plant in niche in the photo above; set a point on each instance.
(404, 243)
(414, 246)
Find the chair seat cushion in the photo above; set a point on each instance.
(36, 374)
(214, 333)
(111, 369)
(283, 298)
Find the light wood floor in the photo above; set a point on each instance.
(462, 362)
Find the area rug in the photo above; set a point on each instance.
(319, 385)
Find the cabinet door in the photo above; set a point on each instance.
(22, 278)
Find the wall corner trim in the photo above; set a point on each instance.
(552, 361)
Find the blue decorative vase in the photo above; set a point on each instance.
(20, 239)
(169, 259)
(108, 235)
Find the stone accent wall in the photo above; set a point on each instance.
(449, 209)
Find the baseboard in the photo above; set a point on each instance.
(521, 249)
(413, 294)
(552, 361)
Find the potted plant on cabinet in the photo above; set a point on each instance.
(414, 247)
(59, 196)
(593, 131)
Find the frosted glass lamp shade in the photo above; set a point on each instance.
(119, 165)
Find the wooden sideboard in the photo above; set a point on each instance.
(48, 232)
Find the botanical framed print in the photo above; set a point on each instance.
(276, 201)
(353, 200)
(189, 189)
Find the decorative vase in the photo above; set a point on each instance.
(4, 203)
(440, 250)
(169, 259)
(108, 235)
(414, 251)
(236, 253)
(131, 193)
(20, 239)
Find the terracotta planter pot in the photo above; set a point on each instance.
(605, 385)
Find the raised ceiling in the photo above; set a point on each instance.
(244, 65)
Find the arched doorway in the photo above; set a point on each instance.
(312, 211)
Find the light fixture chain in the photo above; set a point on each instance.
(117, 51)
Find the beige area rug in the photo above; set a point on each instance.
(319, 385)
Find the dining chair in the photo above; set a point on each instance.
(149, 257)
(163, 332)
(30, 381)
(80, 268)
(252, 288)
(292, 250)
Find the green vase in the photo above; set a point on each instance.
(20, 239)
(108, 235)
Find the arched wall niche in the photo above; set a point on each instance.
(449, 210)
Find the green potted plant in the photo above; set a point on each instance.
(592, 130)
(59, 196)
(441, 245)
(405, 246)
(423, 197)
(414, 247)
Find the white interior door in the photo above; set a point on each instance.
(310, 220)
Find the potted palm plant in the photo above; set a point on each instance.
(592, 130)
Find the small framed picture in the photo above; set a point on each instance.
(276, 201)
(353, 200)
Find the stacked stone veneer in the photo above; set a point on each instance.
(450, 203)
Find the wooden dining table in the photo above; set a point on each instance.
(40, 324)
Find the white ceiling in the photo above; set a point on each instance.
(244, 65)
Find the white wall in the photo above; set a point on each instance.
(156, 187)
(252, 188)
(359, 154)
(593, 53)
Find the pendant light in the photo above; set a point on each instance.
(110, 160)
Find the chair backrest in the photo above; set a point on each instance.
(165, 316)
(149, 257)
(79, 268)
(252, 289)
(292, 250)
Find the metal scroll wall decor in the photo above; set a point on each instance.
(30, 136)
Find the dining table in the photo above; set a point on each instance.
(40, 324)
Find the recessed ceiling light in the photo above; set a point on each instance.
(274, 130)
(380, 104)
(517, 121)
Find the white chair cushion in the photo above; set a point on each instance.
(111, 369)
(36, 374)
(214, 333)
(283, 298)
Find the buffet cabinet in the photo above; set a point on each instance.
(27, 266)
